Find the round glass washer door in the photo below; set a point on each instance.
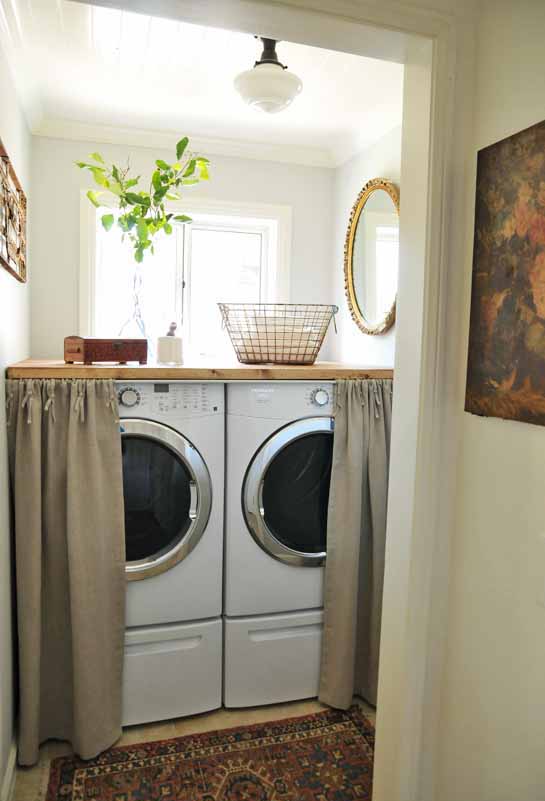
(286, 492)
(167, 493)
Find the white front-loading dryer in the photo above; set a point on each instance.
(279, 455)
(172, 439)
(279, 447)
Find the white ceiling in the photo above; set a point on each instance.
(98, 73)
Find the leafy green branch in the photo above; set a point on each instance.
(143, 214)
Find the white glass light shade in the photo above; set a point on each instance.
(268, 86)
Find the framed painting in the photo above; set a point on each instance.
(12, 219)
(506, 358)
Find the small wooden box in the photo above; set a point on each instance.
(92, 349)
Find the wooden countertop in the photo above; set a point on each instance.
(198, 371)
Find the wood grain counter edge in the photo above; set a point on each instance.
(320, 371)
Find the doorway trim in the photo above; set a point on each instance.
(437, 47)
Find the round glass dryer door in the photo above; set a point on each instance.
(286, 492)
(167, 493)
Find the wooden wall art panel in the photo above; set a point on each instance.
(12, 219)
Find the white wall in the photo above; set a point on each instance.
(56, 221)
(493, 721)
(382, 160)
(14, 345)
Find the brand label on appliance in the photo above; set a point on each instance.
(262, 396)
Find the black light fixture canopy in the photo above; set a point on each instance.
(269, 54)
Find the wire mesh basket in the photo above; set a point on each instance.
(278, 333)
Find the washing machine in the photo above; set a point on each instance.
(279, 453)
(172, 439)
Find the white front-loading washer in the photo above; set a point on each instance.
(279, 452)
(172, 439)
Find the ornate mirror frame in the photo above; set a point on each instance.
(357, 315)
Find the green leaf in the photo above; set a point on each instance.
(172, 196)
(97, 157)
(93, 197)
(139, 255)
(81, 164)
(135, 200)
(168, 228)
(100, 178)
(131, 182)
(190, 169)
(204, 172)
(107, 221)
(162, 164)
(190, 181)
(181, 146)
(156, 180)
(182, 218)
(142, 230)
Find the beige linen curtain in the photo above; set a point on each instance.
(66, 471)
(356, 533)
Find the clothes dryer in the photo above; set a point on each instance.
(279, 452)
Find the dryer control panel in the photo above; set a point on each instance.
(172, 398)
(281, 400)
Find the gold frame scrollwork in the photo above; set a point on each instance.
(355, 214)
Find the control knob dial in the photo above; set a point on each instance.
(320, 397)
(129, 397)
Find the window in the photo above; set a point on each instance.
(387, 260)
(226, 254)
(378, 282)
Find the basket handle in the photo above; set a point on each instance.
(224, 314)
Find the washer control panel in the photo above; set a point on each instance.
(177, 399)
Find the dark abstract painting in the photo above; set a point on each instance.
(506, 360)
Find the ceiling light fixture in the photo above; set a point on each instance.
(269, 85)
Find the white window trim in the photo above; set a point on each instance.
(278, 274)
(87, 256)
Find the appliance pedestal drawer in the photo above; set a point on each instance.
(272, 658)
(171, 671)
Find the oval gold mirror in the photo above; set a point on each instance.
(371, 257)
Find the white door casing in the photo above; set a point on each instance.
(435, 40)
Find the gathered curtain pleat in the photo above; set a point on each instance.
(356, 538)
(66, 475)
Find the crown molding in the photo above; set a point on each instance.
(56, 128)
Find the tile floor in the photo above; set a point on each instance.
(31, 783)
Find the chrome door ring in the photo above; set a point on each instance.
(252, 490)
(200, 501)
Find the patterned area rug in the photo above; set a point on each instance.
(327, 756)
